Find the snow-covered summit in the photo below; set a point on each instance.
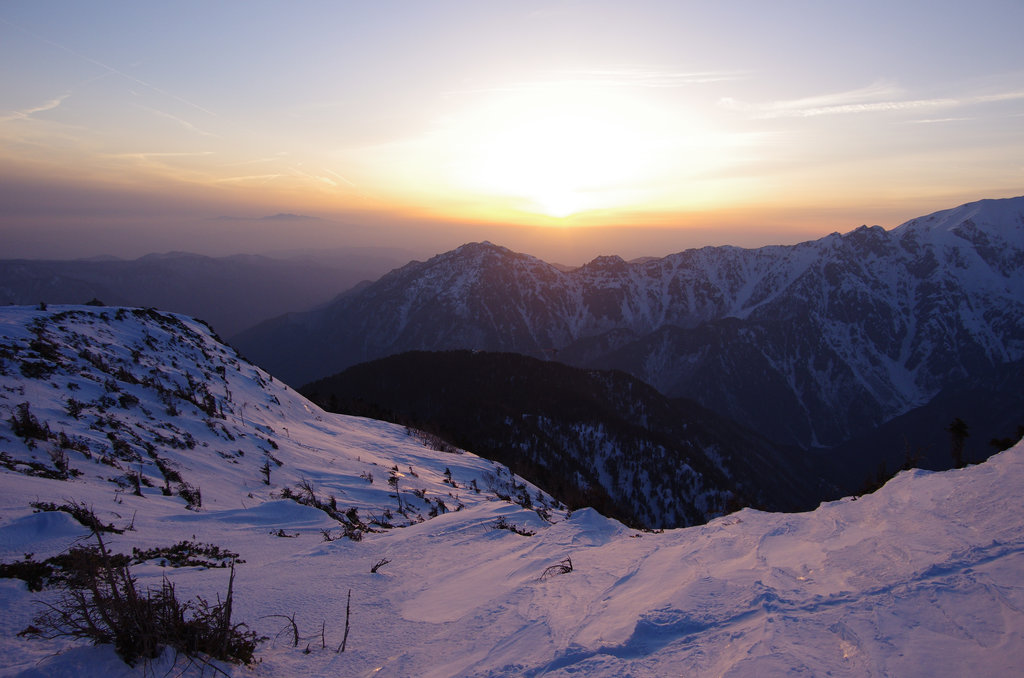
(838, 335)
(1005, 216)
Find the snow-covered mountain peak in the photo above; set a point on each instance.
(476, 249)
(840, 334)
(998, 218)
(612, 262)
(484, 252)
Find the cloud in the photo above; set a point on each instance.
(250, 178)
(646, 78)
(332, 172)
(933, 121)
(877, 98)
(314, 178)
(108, 68)
(148, 155)
(181, 121)
(653, 78)
(26, 113)
(995, 98)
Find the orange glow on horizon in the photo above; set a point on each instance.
(555, 153)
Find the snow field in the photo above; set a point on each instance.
(922, 578)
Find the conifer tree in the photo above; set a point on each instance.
(958, 433)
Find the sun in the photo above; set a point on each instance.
(558, 162)
(558, 150)
(550, 153)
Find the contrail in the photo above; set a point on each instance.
(109, 69)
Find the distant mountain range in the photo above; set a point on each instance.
(231, 293)
(811, 344)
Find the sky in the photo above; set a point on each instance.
(565, 129)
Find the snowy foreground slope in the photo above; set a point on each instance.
(924, 577)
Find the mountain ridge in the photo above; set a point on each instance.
(840, 333)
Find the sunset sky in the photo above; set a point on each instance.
(563, 129)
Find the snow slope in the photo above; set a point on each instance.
(922, 578)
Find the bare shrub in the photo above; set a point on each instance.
(80, 512)
(25, 425)
(504, 524)
(562, 567)
(103, 604)
(192, 495)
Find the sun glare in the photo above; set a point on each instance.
(554, 153)
(559, 150)
(560, 162)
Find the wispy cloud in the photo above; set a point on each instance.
(181, 121)
(995, 98)
(877, 98)
(27, 113)
(276, 158)
(335, 174)
(935, 121)
(108, 68)
(353, 186)
(168, 163)
(652, 77)
(145, 155)
(251, 178)
(52, 104)
(338, 181)
(641, 78)
(314, 178)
